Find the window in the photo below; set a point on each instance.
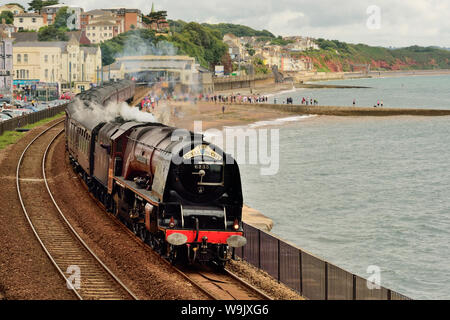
(17, 74)
(25, 58)
(33, 20)
(21, 20)
(46, 58)
(19, 58)
(46, 73)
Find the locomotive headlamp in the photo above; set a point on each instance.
(236, 224)
(171, 222)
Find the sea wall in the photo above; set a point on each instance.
(353, 111)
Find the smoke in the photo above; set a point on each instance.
(138, 46)
(110, 113)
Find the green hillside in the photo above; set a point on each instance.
(204, 42)
(340, 56)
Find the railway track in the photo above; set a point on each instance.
(219, 285)
(222, 285)
(82, 270)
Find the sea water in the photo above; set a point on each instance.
(363, 191)
(395, 92)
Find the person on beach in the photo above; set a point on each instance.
(223, 109)
(275, 101)
(354, 102)
(381, 103)
(378, 103)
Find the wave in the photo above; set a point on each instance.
(283, 92)
(279, 121)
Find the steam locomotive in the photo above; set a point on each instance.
(177, 192)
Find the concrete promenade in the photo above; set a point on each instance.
(351, 111)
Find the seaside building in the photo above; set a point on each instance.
(49, 14)
(28, 21)
(301, 44)
(114, 71)
(6, 63)
(6, 28)
(104, 24)
(101, 30)
(295, 64)
(130, 19)
(33, 36)
(14, 8)
(236, 50)
(180, 70)
(71, 66)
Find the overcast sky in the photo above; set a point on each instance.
(392, 22)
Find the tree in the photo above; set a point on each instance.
(227, 64)
(51, 33)
(36, 5)
(157, 16)
(61, 18)
(8, 16)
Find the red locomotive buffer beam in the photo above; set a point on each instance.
(216, 237)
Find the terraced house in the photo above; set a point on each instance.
(28, 21)
(73, 67)
(14, 8)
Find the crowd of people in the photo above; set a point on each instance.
(304, 101)
(149, 103)
(234, 98)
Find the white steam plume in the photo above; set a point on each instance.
(98, 113)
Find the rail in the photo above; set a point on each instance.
(14, 123)
(310, 276)
(69, 247)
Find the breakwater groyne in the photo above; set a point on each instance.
(327, 86)
(352, 111)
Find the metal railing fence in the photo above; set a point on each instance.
(18, 122)
(310, 276)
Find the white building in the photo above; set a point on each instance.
(49, 14)
(28, 21)
(6, 63)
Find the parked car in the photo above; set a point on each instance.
(8, 113)
(4, 116)
(30, 107)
